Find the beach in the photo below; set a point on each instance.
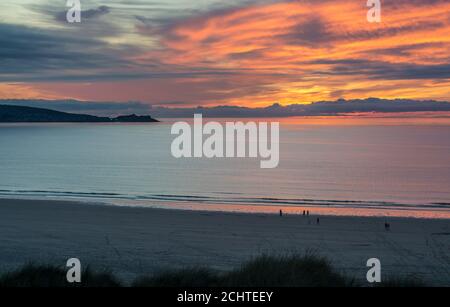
(132, 241)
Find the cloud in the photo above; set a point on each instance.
(328, 108)
(100, 11)
(312, 32)
(27, 50)
(385, 71)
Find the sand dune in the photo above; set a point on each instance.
(133, 241)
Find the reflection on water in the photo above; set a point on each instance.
(338, 166)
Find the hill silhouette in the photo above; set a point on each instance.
(20, 114)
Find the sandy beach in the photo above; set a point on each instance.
(132, 241)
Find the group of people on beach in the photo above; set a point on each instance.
(305, 213)
(387, 226)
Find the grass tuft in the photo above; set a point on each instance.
(286, 271)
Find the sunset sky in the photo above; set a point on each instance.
(210, 52)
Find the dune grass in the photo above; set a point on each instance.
(262, 271)
(287, 271)
(33, 275)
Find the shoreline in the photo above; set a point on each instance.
(266, 208)
(135, 240)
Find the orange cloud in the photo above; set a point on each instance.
(308, 51)
(25, 91)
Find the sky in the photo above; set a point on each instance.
(251, 53)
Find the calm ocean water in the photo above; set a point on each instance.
(334, 166)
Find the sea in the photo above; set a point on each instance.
(341, 165)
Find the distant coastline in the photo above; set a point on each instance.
(20, 114)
